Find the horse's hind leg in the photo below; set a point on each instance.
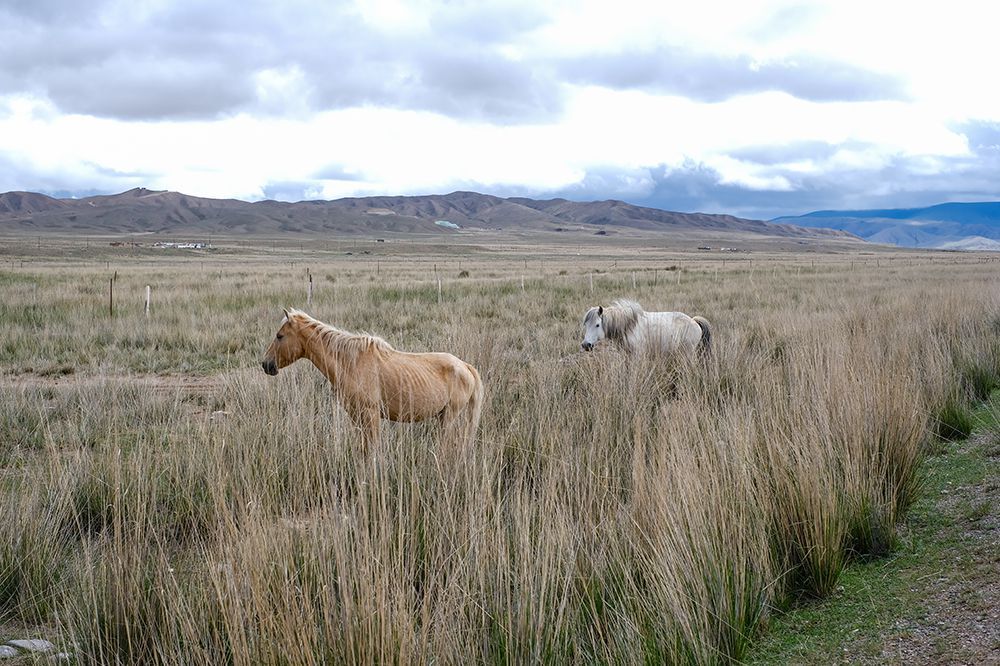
(470, 422)
(459, 427)
(451, 426)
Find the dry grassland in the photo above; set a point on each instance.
(163, 501)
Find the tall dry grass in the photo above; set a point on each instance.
(611, 510)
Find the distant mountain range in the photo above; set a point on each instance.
(163, 212)
(963, 226)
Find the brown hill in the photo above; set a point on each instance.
(27, 202)
(162, 212)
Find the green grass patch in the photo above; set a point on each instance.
(954, 421)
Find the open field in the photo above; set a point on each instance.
(163, 501)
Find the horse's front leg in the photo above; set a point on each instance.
(370, 427)
(368, 421)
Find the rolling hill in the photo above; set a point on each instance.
(970, 226)
(164, 212)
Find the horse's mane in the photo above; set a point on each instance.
(620, 318)
(343, 344)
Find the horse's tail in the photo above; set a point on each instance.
(475, 406)
(705, 345)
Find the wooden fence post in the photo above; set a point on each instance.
(148, 294)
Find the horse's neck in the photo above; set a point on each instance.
(635, 334)
(319, 350)
(623, 333)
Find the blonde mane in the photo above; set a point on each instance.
(620, 318)
(342, 344)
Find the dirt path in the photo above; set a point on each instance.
(160, 383)
(961, 594)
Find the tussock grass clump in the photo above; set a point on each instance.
(22, 423)
(134, 601)
(33, 557)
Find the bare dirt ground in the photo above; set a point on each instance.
(161, 383)
(197, 393)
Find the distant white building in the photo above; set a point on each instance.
(180, 246)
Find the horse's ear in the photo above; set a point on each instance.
(288, 315)
(600, 311)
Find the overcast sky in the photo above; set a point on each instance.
(752, 108)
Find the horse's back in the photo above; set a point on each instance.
(428, 382)
(669, 332)
(669, 319)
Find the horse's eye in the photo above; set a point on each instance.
(280, 336)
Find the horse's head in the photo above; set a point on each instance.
(285, 349)
(593, 328)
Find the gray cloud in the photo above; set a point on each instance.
(201, 60)
(902, 182)
(53, 11)
(789, 152)
(142, 89)
(714, 78)
(337, 172)
(478, 23)
(189, 59)
(983, 136)
(137, 69)
(83, 180)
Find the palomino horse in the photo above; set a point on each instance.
(373, 381)
(635, 330)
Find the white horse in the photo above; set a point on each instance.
(635, 330)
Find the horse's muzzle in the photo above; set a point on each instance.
(270, 367)
(586, 346)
